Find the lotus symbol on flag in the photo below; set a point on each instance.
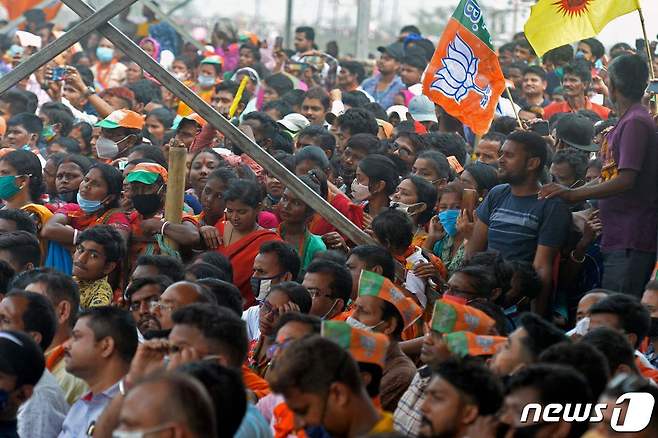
(457, 76)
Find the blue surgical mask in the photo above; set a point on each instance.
(15, 49)
(89, 206)
(104, 54)
(579, 54)
(206, 81)
(448, 219)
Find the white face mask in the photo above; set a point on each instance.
(360, 192)
(353, 322)
(106, 148)
(410, 209)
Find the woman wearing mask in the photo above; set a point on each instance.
(108, 71)
(375, 181)
(22, 186)
(432, 166)
(210, 72)
(68, 176)
(239, 236)
(416, 197)
(447, 231)
(97, 202)
(295, 215)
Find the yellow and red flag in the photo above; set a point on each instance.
(553, 23)
(464, 76)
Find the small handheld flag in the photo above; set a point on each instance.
(464, 76)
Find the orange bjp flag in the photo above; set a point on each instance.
(464, 76)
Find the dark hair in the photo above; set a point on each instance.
(85, 72)
(218, 260)
(297, 293)
(589, 114)
(205, 270)
(375, 255)
(377, 110)
(393, 229)
(629, 75)
(320, 94)
(282, 107)
(32, 361)
(163, 115)
(448, 143)
(356, 68)
(7, 274)
(20, 218)
(410, 28)
(162, 281)
(475, 381)
(145, 91)
(17, 101)
(311, 365)
(357, 121)
(227, 393)
(505, 125)
(614, 346)
(415, 61)
(85, 131)
(116, 323)
(530, 282)
(255, 50)
(632, 315)
(312, 153)
(535, 70)
(109, 238)
(60, 287)
(356, 99)
(555, 384)
(166, 265)
(480, 277)
(309, 32)
(59, 113)
(220, 326)
(484, 175)
(32, 101)
(575, 159)
(248, 192)
(541, 334)
(27, 163)
(341, 279)
(560, 55)
(286, 255)
(595, 46)
(533, 144)
(427, 194)
(268, 126)
(439, 163)
(71, 145)
(417, 141)
(226, 293)
(390, 311)
(584, 358)
(23, 247)
(311, 320)
(39, 316)
(232, 87)
(81, 161)
(280, 83)
(580, 70)
(381, 168)
(151, 153)
(294, 98)
(367, 143)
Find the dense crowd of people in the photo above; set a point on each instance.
(503, 270)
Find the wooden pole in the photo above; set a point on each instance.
(646, 42)
(516, 113)
(90, 23)
(287, 178)
(175, 188)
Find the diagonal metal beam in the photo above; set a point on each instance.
(287, 178)
(90, 23)
(164, 17)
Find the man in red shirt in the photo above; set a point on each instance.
(576, 81)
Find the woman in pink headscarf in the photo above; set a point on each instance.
(151, 46)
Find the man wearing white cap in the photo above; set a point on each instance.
(421, 109)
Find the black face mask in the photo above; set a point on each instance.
(147, 205)
(69, 197)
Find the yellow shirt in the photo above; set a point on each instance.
(384, 425)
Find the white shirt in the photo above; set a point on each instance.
(250, 317)
(42, 414)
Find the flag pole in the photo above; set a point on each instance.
(646, 42)
(516, 113)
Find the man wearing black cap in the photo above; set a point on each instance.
(575, 131)
(411, 72)
(383, 87)
(628, 193)
(21, 367)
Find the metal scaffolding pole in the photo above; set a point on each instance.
(362, 28)
(288, 30)
(287, 178)
(90, 23)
